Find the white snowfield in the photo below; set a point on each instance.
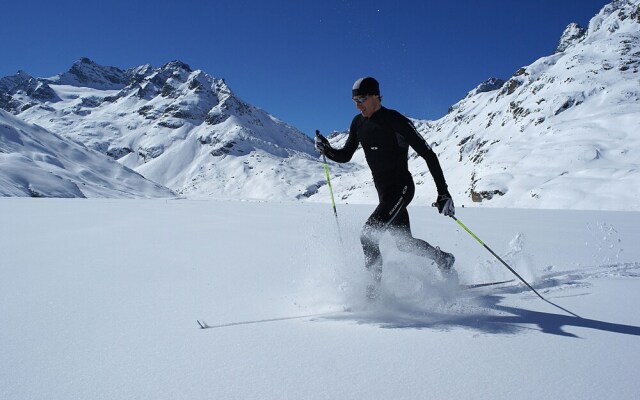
(99, 300)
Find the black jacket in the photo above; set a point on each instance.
(385, 138)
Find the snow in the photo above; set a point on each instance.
(99, 300)
(35, 162)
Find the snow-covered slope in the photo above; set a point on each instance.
(182, 128)
(35, 162)
(106, 307)
(561, 133)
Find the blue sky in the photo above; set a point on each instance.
(299, 59)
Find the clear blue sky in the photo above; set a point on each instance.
(298, 59)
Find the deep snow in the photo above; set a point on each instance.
(99, 300)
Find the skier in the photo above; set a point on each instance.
(385, 136)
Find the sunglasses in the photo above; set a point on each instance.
(360, 99)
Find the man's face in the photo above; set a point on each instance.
(367, 105)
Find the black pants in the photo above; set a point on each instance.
(391, 215)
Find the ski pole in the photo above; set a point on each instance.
(326, 170)
(333, 202)
(507, 265)
(495, 255)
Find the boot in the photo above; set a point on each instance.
(373, 289)
(444, 261)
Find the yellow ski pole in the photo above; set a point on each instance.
(333, 202)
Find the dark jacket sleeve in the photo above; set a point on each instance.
(344, 154)
(406, 129)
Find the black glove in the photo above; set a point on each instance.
(321, 143)
(444, 202)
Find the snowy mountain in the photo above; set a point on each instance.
(181, 128)
(560, 133)
(38, 163)
(86, 73)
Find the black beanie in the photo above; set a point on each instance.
(365, 86)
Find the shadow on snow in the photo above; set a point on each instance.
(485, 314)
(491, 318)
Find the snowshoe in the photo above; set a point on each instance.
(373, 293)
(444, 261)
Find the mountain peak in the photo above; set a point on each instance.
(618, 16)
(87, 73)
(177, 65)
(21, 91)
(8, 84)
(572, 34)
(489, 85)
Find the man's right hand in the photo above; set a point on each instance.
(321, 143)
(444, 202)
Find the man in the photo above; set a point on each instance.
(385, 136)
